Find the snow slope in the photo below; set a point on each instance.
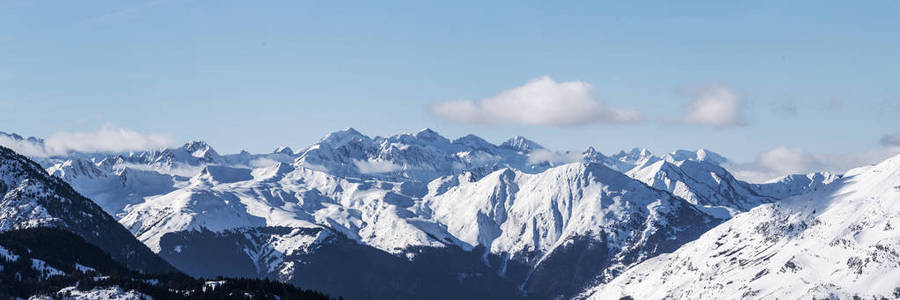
(840, 241)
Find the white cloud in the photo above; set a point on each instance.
(23, 147)
(375, 166)
(717, 106)
(543, 155)
(891, 140)
(789, 160)
(106, 139)
(262, 163)
(541, 101)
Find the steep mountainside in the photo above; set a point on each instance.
(840, 241)
(33, 198)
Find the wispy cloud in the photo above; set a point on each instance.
(544, 155)
(106, 139)
(541, 101)
(716, 106)
(23, 147)
(375, 166)
(891, 140)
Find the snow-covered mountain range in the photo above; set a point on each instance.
(540, 223)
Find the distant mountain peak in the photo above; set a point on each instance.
(592, 155)
(473, 141)
(521, 144)
(284, 150)
(341, 137)
(427, 132)
(200, 149)
(431, 136)
(634, 153)
(195, 144)
(17, 137)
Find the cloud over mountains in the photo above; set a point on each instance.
(106, 139)
(541, 101)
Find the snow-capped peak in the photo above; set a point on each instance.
(592, 155)
(428, 135)
(521, 144)
(474, 142)
(345, 136)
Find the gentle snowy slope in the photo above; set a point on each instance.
(840, 241)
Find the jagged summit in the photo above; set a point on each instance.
(200, 149)
(633, 154)
(521, 144)
(592, 155)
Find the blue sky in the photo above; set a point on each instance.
(817, 77)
